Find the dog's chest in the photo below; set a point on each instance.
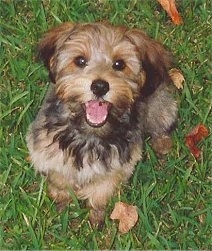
(94, 168)
(90, 166)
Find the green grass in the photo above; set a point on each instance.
(173, 195)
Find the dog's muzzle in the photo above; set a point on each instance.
(96, 111)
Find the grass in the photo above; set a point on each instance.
(173, 195)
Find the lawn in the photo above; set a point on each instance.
(173, 194)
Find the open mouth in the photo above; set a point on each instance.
(97, 112)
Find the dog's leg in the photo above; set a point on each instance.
(162, 144)
(98, 195)
(58, 190)
(97, 216)
(161, 118)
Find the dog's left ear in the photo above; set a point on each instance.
(51, 41)
(155, 60)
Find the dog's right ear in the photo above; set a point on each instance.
(155, 59)
(47, 46)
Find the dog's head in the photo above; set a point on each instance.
(102, 69)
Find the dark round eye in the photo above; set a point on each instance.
(80, 61)
(119, 65)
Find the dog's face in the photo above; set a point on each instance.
(100, 70)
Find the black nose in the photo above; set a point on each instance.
(99, 87)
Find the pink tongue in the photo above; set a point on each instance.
(96, 112)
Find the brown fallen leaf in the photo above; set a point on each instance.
(177, 78)
(126, 214)
(170, 7)
(198, 133)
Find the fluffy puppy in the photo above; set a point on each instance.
(110, 88)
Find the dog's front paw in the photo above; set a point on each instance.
(97, 217)
(162, 144)
(59, 196)
(62, 205)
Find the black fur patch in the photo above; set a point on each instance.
(77, 143)
(155, 76)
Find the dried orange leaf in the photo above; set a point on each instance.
(170, 7)
(198, 133)
(177, 77)
(126, 214)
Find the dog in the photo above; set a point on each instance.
(110, 88)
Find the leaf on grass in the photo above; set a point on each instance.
(198, 133)
(177, 78)
(126, 214)
(170, 7)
